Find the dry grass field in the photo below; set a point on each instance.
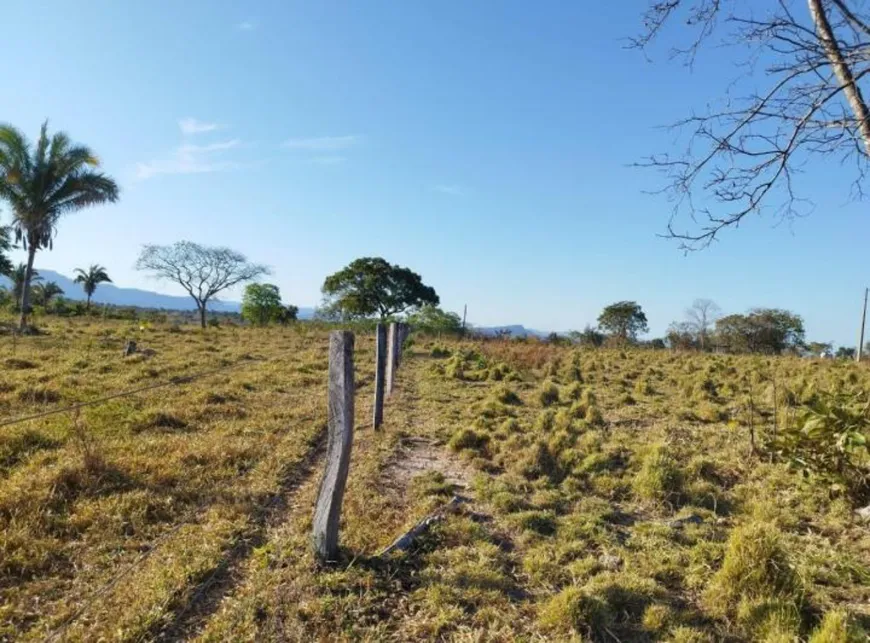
(607, 495)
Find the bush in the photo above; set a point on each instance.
(828, 438)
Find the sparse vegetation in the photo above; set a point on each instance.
(588, 517)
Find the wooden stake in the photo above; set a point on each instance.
(327, 513)
(380, 374)
(392, 356)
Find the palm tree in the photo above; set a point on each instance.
(6, 266)
(43, 183)
(17, 276)
(90, 279)
(44, 293)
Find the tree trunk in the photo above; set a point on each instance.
(25, 287)
(842, 70)
(88, 305)
(202, 311)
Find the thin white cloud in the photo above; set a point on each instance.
(322, 143)
(246, 25)
(194, 126)
(191, 159)
(452, 190)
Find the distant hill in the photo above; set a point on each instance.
(112, 294)
(516, 330)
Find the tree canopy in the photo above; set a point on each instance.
(41, 183)
(261, 304)
(371, 286)
(761, 330)
(431, 319)
(6, 265)
(202, 271)
(623, 320)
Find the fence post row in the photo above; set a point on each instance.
(380, 374)
(327, 512)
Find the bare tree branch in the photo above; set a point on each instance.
(743, 155)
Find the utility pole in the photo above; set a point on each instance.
(860, 352)
(464, 312)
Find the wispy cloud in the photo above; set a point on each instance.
(452, 190)
(191, 159)
(327, 160)
(194, 126)
(246, 25)
(322, 143)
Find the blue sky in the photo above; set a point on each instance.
(486, 145)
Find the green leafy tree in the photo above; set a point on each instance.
(287, 314)
(431, 319)
(17, 276)
(762, 330)
(816, 349)
(623, 320)
(44, 294)
(261, 304)
(41, 183)
(589, 337)
(372, 286)
(90, 279)
(682, 336)
(845, 352)
(201, 270)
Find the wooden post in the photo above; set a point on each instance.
(402, 327)
(392, 356)
(327, 513)
(380, 374)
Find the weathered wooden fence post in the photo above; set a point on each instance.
(380, 374)
(392, 356)
(327, 513)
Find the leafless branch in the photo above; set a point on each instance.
(744, 154)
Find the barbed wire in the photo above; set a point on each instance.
(174, 381)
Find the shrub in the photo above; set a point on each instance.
(829, 439)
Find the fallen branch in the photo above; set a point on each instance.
(405, 541)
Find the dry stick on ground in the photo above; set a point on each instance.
(407, 539)
(327, 514)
